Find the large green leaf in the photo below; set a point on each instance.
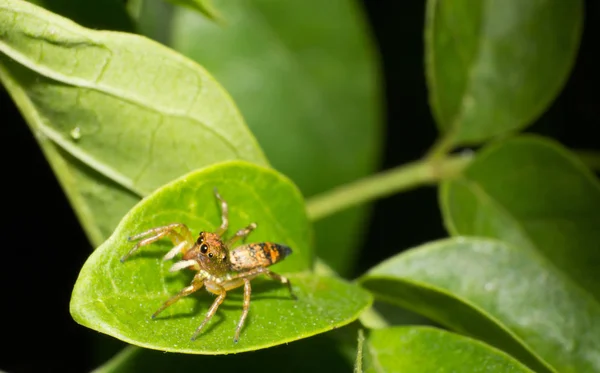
(533, 193)
(118, 298)
(510, 297)
(307, 84)
(116, 114)
(494, 66)
(423, 349)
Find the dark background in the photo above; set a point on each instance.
(44, 247)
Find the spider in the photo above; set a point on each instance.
(217, 268)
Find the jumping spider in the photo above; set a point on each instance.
(218, 268)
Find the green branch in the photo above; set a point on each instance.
(386, 183)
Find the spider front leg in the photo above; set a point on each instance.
(224, 214)
(197, 283)
(178, 233)
(241, 234)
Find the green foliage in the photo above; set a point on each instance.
(139, 135)
(533, 194)
(285, 75)
(423, 349)
(118, 298)
(92, 88)
(493, 66)
(499, 293)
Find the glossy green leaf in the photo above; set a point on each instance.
(495, 66)
(307, 84)
(205, 7)
(509, 297)
(423, 349)
(118, 298)
(116, 114)
(533, 193)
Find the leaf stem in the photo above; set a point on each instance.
(441, 147)
(359, 352)
(383, 184)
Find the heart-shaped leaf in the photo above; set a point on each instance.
(507, 296)
(306, 82)
(535, 194)
(118, 298)
(424, 349)
(494, 66)
(116, 114)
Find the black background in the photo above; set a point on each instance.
(44, 247)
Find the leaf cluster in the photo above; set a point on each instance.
(139, 134)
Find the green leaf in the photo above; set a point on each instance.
(307, 84)
(533, 193)
(322, 353)
(205, 7)
(424, 349)
(116, 114)
(118, 298)
(495, 66)
(509, 297)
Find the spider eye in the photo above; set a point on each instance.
(210, 255)
(204, 249)
(200, 238)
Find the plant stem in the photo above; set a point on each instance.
(359, 352)
(383, 184)
(441, 147)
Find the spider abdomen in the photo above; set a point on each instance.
(254, 255)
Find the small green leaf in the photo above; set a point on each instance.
(116, 114)
(511, 298)
(533, 193)
(307, 84)
(118, 298)
(494, 66)
(424, 349)
(205, 7)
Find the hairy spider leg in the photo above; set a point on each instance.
(224, 214)
(197, 283)
(241, 234)
(247, 293)
(221, 292)
(183, 240)
(271, 274)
